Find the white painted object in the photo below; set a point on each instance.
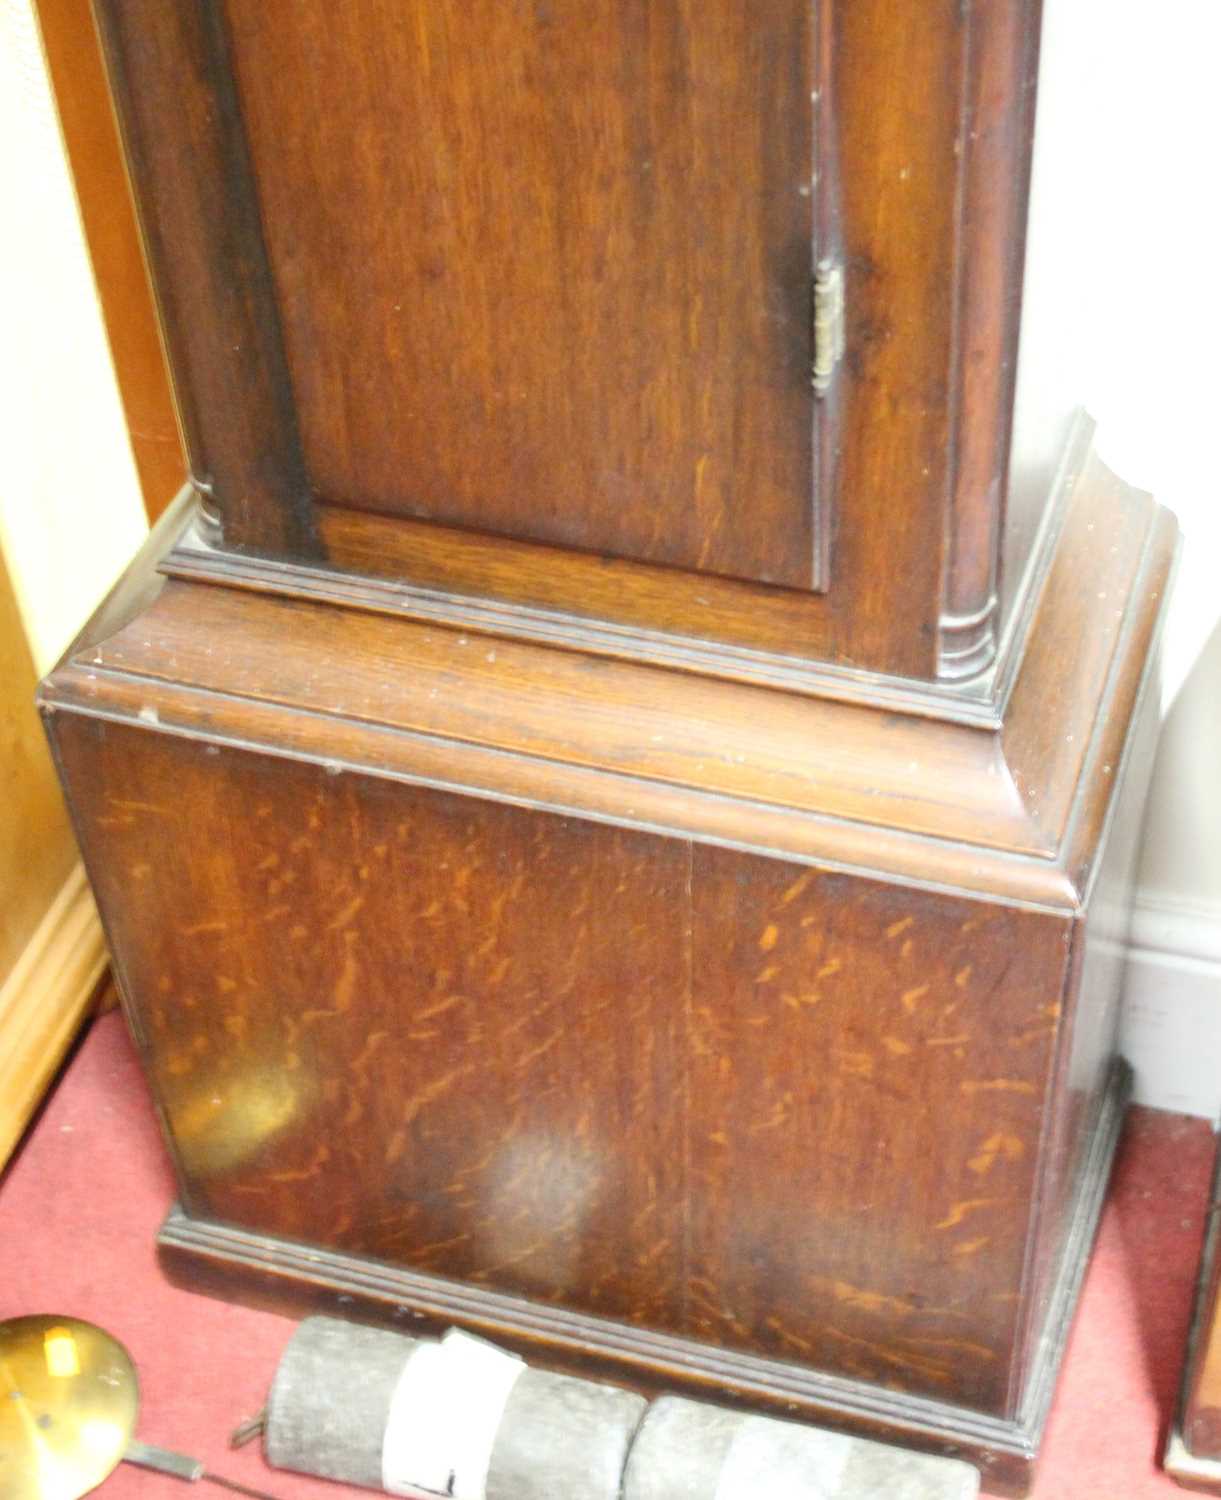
(794, 1470)
(686, 1450)
(1171, 1027)
(444, 1415)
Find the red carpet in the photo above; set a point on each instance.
(81, 1204)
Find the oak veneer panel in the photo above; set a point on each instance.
(709, 1094)
(869, 1075)
(556, 283)
(432, 1029)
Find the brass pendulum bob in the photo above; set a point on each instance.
(69, 1398)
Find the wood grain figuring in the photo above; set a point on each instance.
(595, 794)
(294, 1280)
(557, 284)
(868, 1074)
(592, 1067)
(381, 1027)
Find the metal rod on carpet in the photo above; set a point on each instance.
(179, 1466)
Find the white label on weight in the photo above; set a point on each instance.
(444, 1415)
(783, 1462)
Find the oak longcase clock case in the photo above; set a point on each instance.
(613, 792)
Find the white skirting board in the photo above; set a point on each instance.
(1171, 1026)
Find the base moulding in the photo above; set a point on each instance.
(296, 1280)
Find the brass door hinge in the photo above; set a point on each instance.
(828, 323)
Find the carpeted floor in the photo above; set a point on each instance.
(81, 1203)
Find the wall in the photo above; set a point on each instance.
(70, 516)
(1125, 239)
(1173, 1004)
(1132, 151)
(70, 507)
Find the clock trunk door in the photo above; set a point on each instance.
(543, 267)
(512, 305)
